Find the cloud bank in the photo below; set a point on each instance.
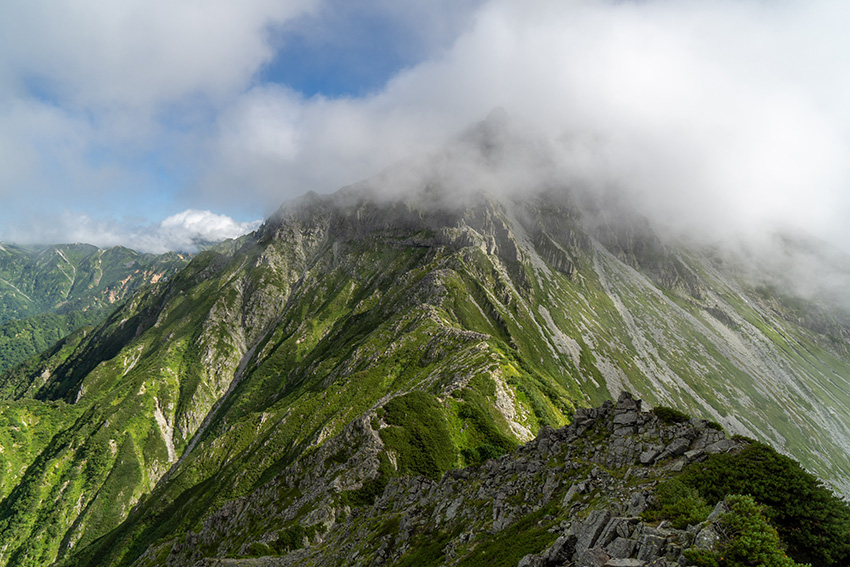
(187, 231)
(192, 229)
(723, 116)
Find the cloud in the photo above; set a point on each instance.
(140, 52)
(101, 103)
(717, 116)
(192, 228)
(187, 231)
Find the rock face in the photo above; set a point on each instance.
(572, 496)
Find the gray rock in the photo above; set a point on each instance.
(626, 402)
(611, 531)
(623, 430)
(591, 528)
(649, 456)
(625, 418)
(575, 489)
(625, 562)
(719, 509)
(637, 504)
(721, 446)
(530, 560)
(695, 454)
(621, 548)
(593, 557)
(676, 448)
(651, 543)
(707, 537)
(561, 551)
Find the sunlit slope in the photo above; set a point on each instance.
(485, 317)
(377, 312)
(289, 340)
(514, 306)
(140, 388)
(47, 292)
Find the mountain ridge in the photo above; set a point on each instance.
(487, 316)
(46, 292)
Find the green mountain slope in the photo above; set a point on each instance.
(48, 292)
(358, 337)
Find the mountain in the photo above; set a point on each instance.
(47, 292)
(432, 318)
(580, 495)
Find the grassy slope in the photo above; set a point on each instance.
(555, 341)
(385, 321)
(48, 292)
(725, 355)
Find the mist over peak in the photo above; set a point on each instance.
(508, 163)
(720, 117)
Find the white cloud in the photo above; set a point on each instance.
(91, 90)
(186, 231)
(138, 53)
(718, 115)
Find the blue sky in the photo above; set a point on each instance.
(350, 52)
(117, 117)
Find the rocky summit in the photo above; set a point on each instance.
(349, 384)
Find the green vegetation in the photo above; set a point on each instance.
(420, 436)
(670, 415)
(505, 548)
(48, 292)
(680, 504)
(813, 522)
(428, 548)
(22, 338)
(747, 539)
(371, 489)
(483, 428)
(324, 318)
(287, 540)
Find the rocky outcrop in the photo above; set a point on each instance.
(581, 489)
(603, 540)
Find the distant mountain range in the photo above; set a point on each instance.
(271, 394)
(47, 292)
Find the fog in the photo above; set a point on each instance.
(714, 118)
